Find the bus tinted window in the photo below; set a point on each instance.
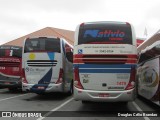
(42, 44)
(149, 54)
(105, 33)
(10, 51)
(2, 52)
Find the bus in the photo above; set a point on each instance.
(148, 73)
(10, 67)
(104, 59)
(47, 65)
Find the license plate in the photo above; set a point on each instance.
(41, 88)
(103, 95)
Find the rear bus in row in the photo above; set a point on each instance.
(47, 65)
(105, 58)
(10, 67)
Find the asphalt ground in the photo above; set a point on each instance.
(58, 106)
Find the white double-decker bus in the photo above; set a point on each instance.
(105, 58)
(47, 65)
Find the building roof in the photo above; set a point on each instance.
(154, 38)
(45, 32)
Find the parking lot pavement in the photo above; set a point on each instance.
(60, 106)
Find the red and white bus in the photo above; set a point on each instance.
(105, 58)
(10, 67)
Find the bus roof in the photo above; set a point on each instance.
(155, 44)
(104, 22)
(9, 47)
(42, 37)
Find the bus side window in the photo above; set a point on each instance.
(2, 52)
(68, 52)
(69, 56)
(63, 47)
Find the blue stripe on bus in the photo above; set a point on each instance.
(104, 66)
(104, 70)
(51, 55)
(46, 78)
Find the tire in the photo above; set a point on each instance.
(124, 103)
(71, 89)
(40, 94)
(13, 89)
(85, 102)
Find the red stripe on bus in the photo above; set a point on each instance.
(106, 56)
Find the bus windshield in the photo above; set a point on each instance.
(11, 51)
(105, 33)
(42, 44)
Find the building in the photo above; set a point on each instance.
(48, 31)
(69, 36)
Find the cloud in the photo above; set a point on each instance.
(20, 17)
(71, 6)
(150, 19)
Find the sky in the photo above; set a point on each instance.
(21, 17)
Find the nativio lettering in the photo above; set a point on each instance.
(104, 34)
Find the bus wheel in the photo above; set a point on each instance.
(85, 102)
(12, 89)
(123, 103)
(41, 93)
(71, 89)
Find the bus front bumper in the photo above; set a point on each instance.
(104, 96)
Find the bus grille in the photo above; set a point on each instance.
(42, 63)
(105, 59)
(9, 64)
